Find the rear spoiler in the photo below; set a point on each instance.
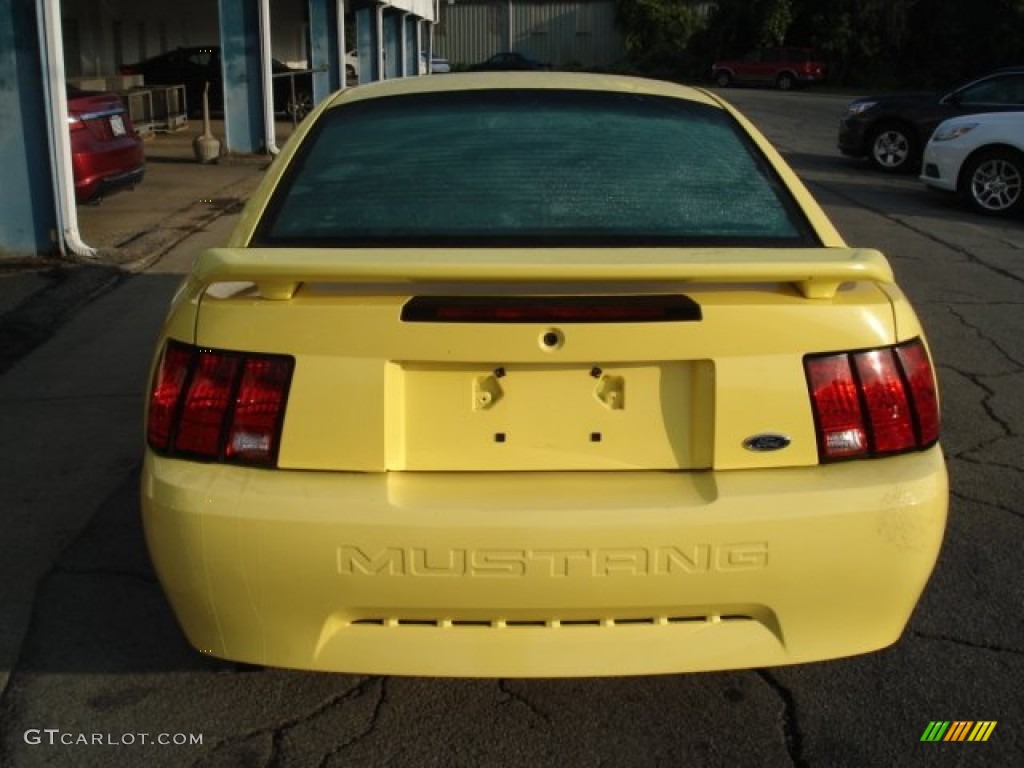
(816, 273)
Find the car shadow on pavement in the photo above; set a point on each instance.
(101, 609)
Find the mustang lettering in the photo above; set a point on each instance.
(625, 561)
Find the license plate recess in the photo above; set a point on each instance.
(556, 417)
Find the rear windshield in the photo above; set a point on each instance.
(529, 167)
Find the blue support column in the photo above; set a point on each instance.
(392, 43)
(368, 43)
(411, 45)
(243, 76)
(28, 208)
(325, 48)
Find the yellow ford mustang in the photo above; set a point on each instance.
(539, 374)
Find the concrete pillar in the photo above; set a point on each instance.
(411, 45)
(242, 70)
(28, 208)
(368, 37)
(392, 24)
(326, 51)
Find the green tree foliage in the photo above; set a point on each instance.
(657, 33)
(891, 43)
(776, 16)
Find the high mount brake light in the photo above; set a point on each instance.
(218, 405)
(551, 309)
(873, 402)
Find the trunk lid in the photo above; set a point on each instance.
(400, 365)
(102, 114)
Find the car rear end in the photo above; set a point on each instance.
(106, 151)
(650, 416)
(806, 64)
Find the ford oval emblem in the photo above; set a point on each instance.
(766, 442)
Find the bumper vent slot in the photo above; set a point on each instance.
(653, 621)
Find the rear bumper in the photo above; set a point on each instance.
(544, 574)
(810, 78)
(96, 173)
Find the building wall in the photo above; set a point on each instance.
(101, 35)
(566, 33)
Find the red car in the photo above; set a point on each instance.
(106, 151)
(785, 68)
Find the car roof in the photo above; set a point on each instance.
(990, 117)
(991, 73)
(470, 81)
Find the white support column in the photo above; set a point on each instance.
(342, 52)
(379, 20)
(266, 59)
(51, 45)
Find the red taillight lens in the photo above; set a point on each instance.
(884, 391)
(259, 407)
(75, 124)
(206, 404)
(164, 397)
(921, 379)
(217, 405)
(873, 402)
(840, 418)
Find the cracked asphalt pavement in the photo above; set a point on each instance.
(90, 649)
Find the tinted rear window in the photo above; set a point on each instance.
(529, 167)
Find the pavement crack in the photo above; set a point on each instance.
(790, 725)
(968, 459)
(985, 401)
(511, 696)
(276, 732)
(962, 319)
(991, 647)
(985, 502)
(374, 721)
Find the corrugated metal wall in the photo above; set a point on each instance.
(567, 33)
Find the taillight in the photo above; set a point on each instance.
(259, 406)
(921, 379)
(873, 402)
(218, 405)
(165, 395)
(207, 404)
(75, 123)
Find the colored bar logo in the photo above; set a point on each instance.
(958, 730)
